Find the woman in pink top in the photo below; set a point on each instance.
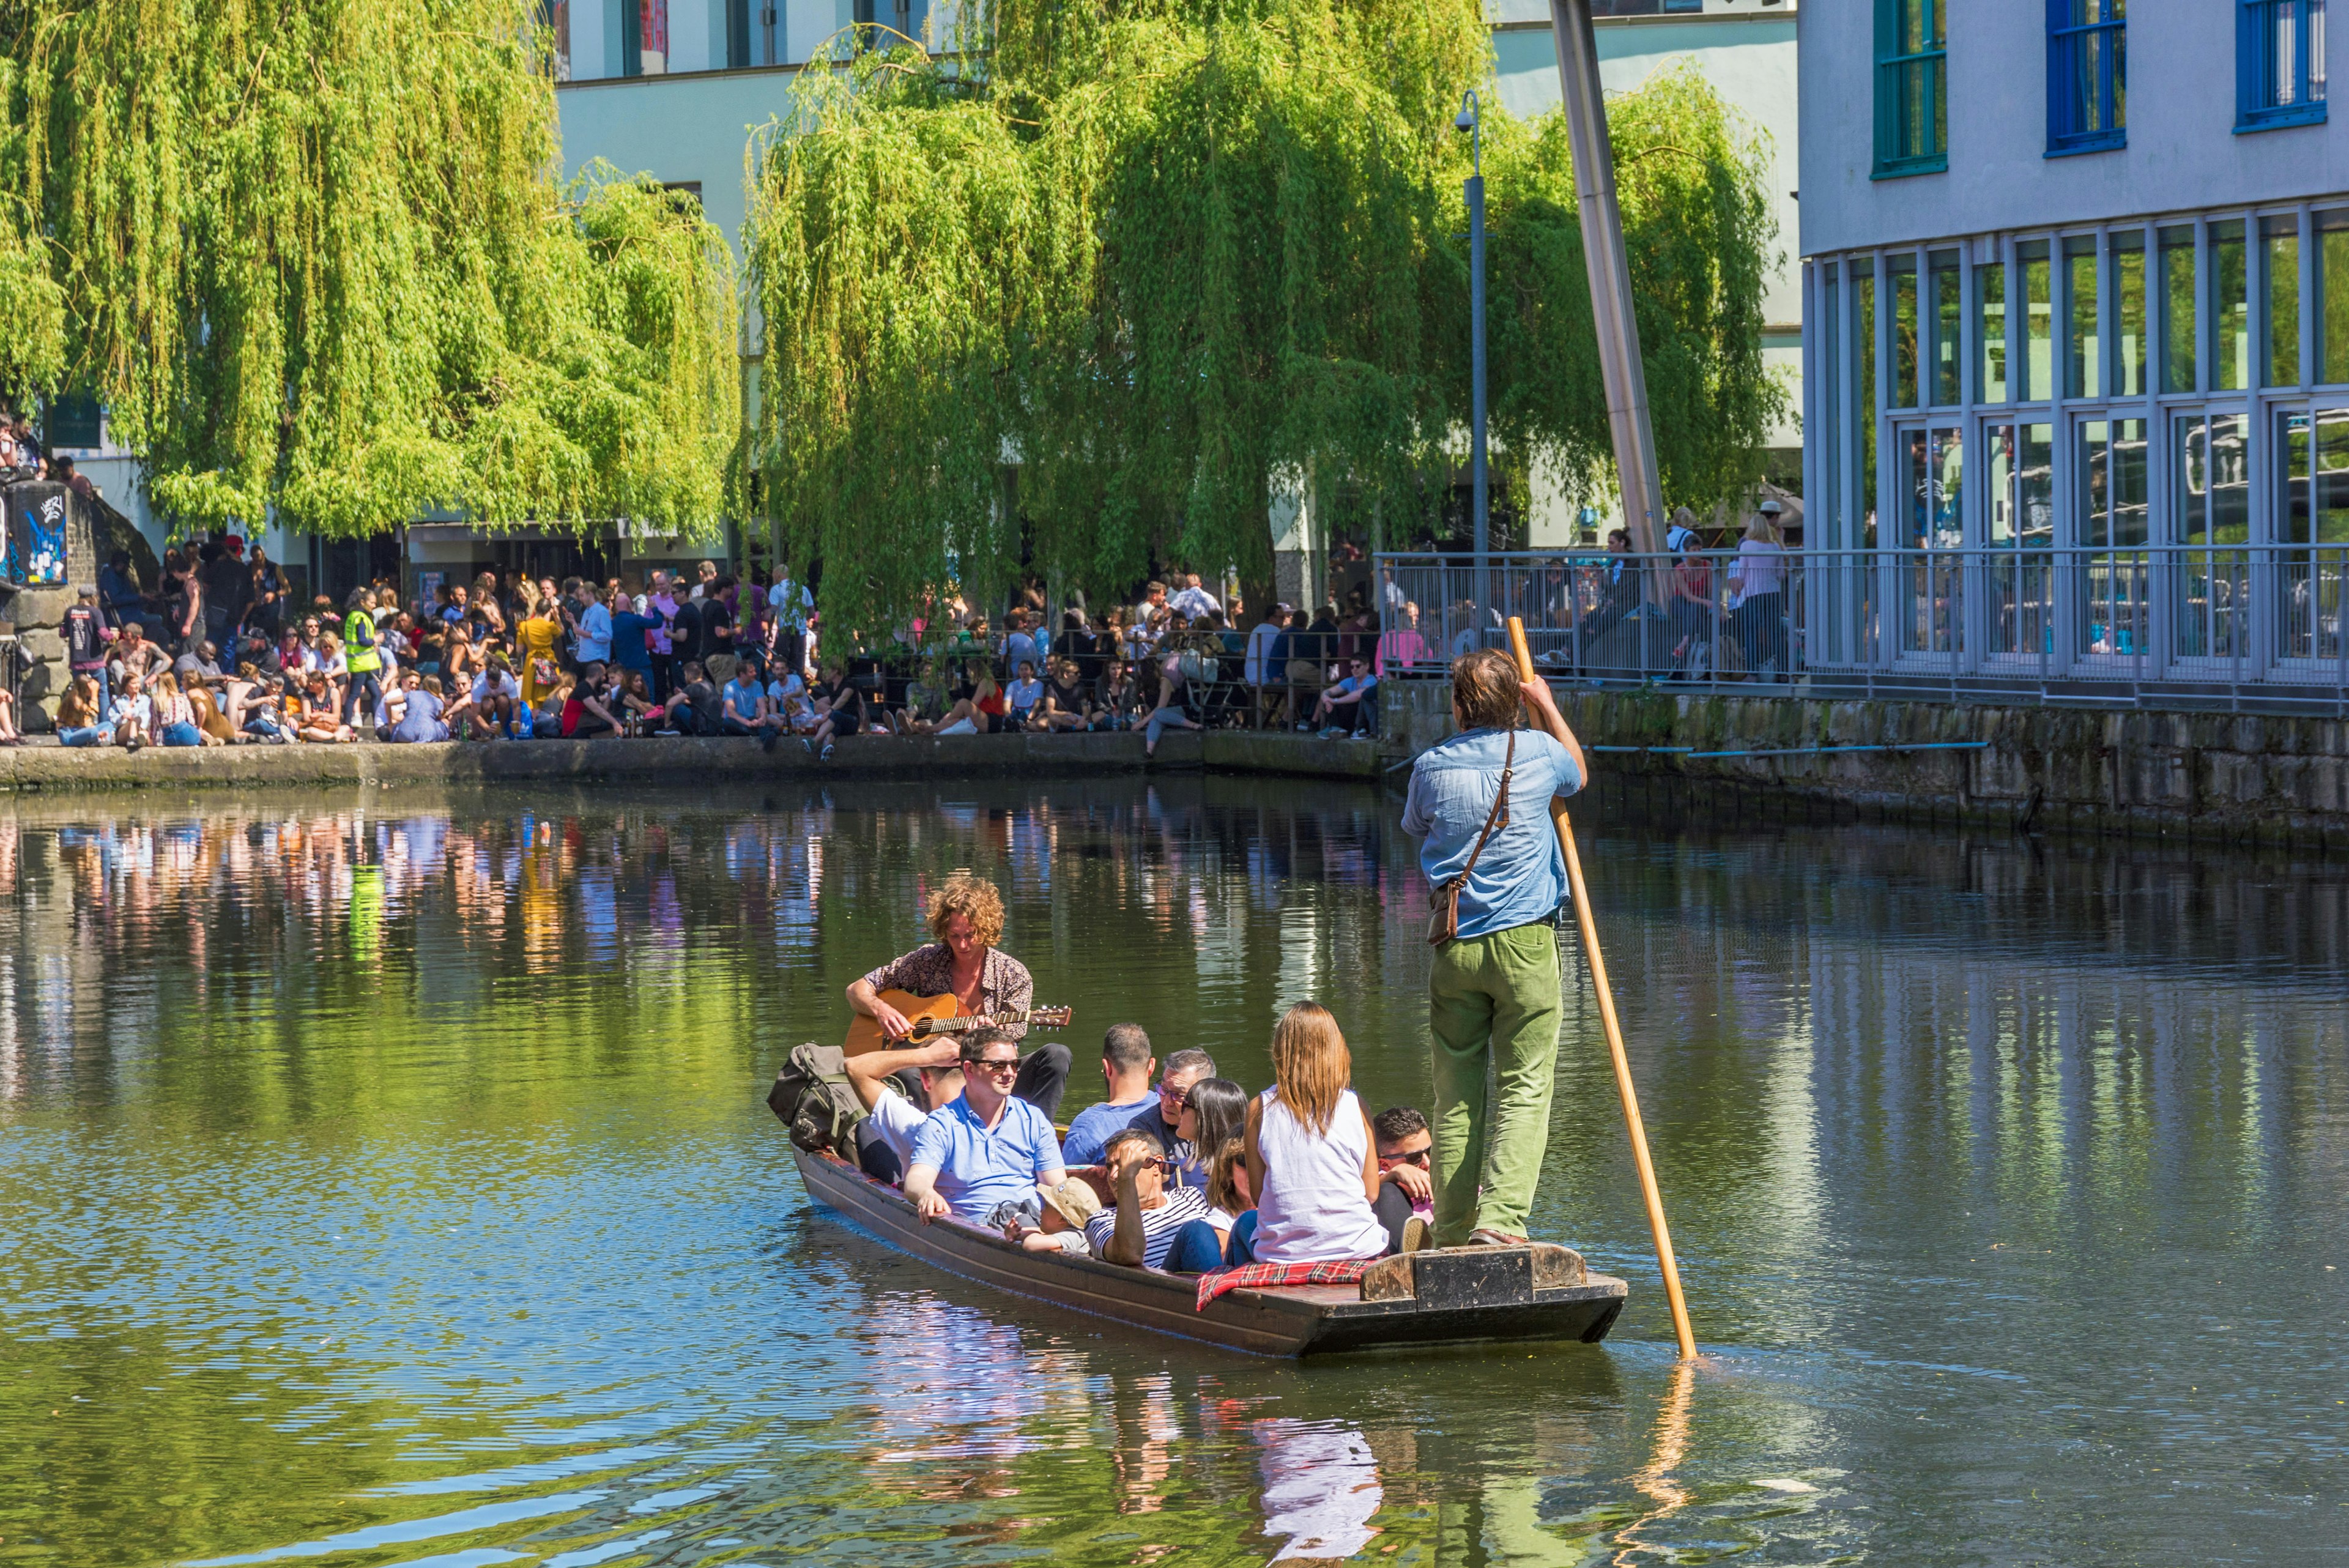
(1404, 644)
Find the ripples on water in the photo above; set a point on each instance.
(392, 1186)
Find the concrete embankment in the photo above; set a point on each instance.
(2228, 777)
(56, 769)
(2222, 776)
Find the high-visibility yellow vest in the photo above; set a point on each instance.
(359, 657)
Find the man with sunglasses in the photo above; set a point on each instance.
(987, 1147)
(1407, 1157)
(1183, 1068)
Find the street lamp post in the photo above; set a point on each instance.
(1474, 188)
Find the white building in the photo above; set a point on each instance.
(2075, 301)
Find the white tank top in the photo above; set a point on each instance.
(1312, 1210)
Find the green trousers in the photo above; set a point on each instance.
(1492, 1007)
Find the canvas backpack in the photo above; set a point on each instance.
(811, 1098)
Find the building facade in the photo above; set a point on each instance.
(2077, 346)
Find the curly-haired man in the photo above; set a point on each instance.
(966, 921)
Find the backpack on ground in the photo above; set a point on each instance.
(811, 1098)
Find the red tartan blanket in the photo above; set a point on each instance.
(1257, 1276)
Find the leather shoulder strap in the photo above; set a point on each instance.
(1498, 817)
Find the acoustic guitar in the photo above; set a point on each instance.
(933, 1016)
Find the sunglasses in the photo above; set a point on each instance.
(996, 1069)
(1423, 1158)
(1178, 1098)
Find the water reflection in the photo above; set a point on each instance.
(386, 1181)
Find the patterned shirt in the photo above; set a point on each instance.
(1004, 983)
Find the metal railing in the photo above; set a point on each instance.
(2238, 627)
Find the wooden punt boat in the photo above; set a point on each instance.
(1463, 1296)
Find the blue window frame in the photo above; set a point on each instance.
(1913, 115)
(2279, 63)
(2088, 75)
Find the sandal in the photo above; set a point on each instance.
(1484, 1236)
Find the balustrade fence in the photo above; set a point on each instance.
(2244, 626)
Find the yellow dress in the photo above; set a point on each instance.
(536, 638)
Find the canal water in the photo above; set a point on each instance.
(385, 1180)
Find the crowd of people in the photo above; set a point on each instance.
(1177, 1168)
(219, 653)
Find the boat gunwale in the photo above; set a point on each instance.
(1280, 1321)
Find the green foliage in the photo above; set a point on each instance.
(312, 256)
(1177, 256)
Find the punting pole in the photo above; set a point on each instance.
(1623, 1085)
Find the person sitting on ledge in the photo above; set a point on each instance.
(1140, 1232)
(987, 1147)
(1354, 699)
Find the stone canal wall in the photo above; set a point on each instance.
(2217, 775)
(671, 761)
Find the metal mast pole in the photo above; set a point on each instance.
(1474, 188)
(1611, 277)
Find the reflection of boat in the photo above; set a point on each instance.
(1292, 1320)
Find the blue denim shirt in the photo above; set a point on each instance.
(1521, 877)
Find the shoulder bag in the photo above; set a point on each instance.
(1443, 901)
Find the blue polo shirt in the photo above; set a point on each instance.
(979, 1167)
(1091, 1127)
(1521, 877)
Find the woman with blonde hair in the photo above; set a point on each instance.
(1312, 1161)
(175, 718)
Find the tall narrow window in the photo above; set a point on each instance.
(2279, 63)
(2084, 347)
(1949, 327)
(2332, 301)
(2211, 511)
(2314, 511)
(1912, 117)
(1831, 410)
(2231, 306)
(1902, 266)
(2088, 75)
(1863, 347)
(1990, 329)
(2109, 469)
(2178, 313)
(2129, 357)
(737, 34)
(2038, 321)
(2279, 241)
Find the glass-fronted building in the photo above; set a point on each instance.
(2077, 357)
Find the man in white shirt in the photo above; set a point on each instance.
(1259, 645)
(496, 695)
(885, 1139)
(1195, 602)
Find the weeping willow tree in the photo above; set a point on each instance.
(1176, 256)
(314, 257)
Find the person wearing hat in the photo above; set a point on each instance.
(1759, 576)
(1061, 1221)
(85, 634)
